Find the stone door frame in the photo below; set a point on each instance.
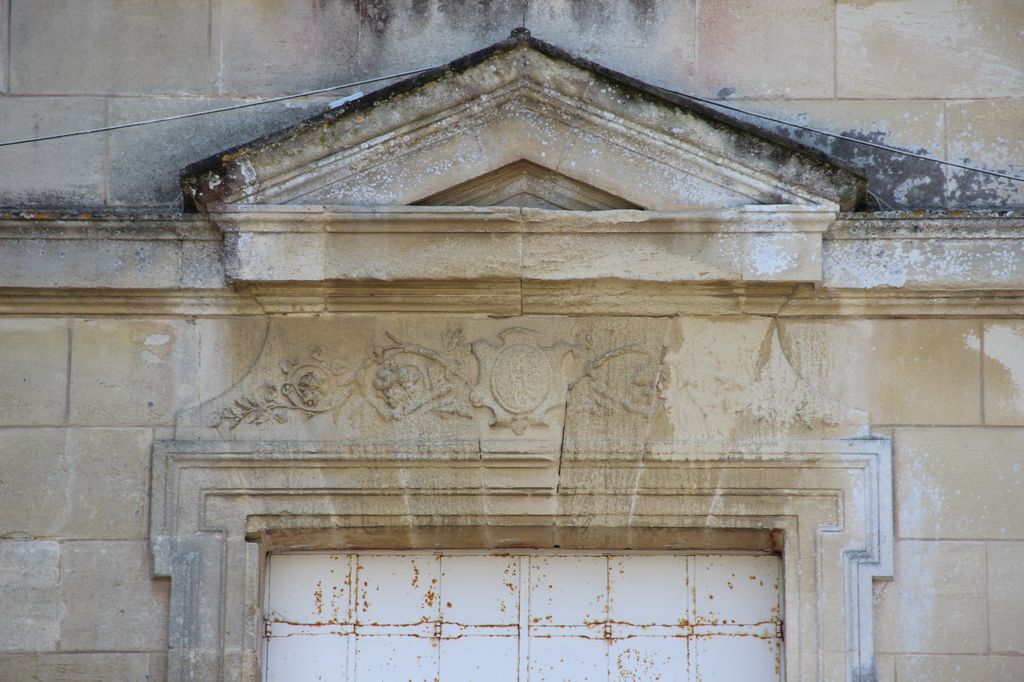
(219, 507)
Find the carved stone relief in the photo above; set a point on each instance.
(515, 379)
(527, 384)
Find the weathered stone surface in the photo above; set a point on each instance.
(1004, 372)
(734, 38)
(959, 668)
(33, 371)
(272, 48)
(419, 256)
(228, 348)
(107, 486)
(271, 244)
(29, 589)
(34, 485)
(49, 173)
(82, 483)
(928, 262)
(888, 49)
(166, 43)
(901, 371)
(417, 379)
(80, 667)
(731, 378)
(109, 583)
(895, 180)
(655, 39)
(937, 603)
(268, 48)
(128, 372)
(988, 134)
(1006, 599)
(145, 162)
(963, 483)
(121, 250)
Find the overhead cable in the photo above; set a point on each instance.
(308, 93)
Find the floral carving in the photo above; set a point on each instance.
(410, 377)
(304, 389)
(627, 378)
(520, 378)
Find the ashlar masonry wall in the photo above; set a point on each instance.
(114, 325)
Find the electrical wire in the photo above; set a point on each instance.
(695, 98)
(233, 107)
(847, 138)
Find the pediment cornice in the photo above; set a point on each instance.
(522, 100)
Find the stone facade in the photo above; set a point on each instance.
(520, 301)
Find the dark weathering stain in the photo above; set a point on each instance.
(895, 180)
(375, 14)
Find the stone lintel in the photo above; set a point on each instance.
(751, 244)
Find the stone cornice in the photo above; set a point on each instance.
(121, 262)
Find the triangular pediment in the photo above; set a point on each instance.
(522, 124)
(524, 184)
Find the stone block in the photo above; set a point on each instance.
(653, 41)
(108, 599)
(930, 263)
(900, 371)
(959, 483)
(109, 481)
(937, 601)
(960, 668)
(29, 589)
(131, 372)
(272, 47)
(1003, 346)
(88, 263)
(1006, 596)
(228, 348)
(912, 125)
(82, 483)
(34, 483)
(987, 134)
(110, 47)
(79, 667)
(68, 171)
(417, 256)
(751, 49)
(145, 162)
(33, 371)
(929, 48)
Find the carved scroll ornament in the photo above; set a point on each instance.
(520, 377)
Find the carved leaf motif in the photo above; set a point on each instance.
(627, 378)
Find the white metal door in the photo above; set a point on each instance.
(541, 617)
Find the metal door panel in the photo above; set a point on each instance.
(644, 659)
(568, 659)
(528, 617)
(480, 590)
(319, 657)
(306, 588)
(389, 658)
(728, 659)
(397, 589)
(480, 659)
(648, 590)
